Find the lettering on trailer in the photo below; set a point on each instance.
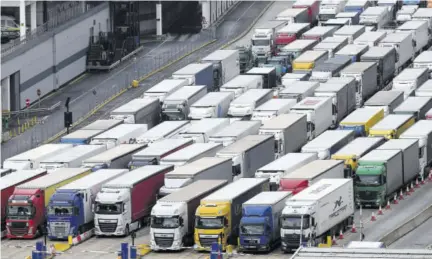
(311, 102)
(319, 189)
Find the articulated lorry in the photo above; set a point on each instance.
(293, 15)
(420, 34)
(312, 7)
(385, 57)
(164, 130)
(358, 6)
(260, 224)
(337, 22)
(425, 89)
(319, 33)
(268, 75)
(354, 17)
(121, 134)
(321, 210)
(197, 74)
(326, 144)
(424, 60)
(242, 107)
(70, 209)
(294, 49)
(405, 13)
(311, 173)
(191, 153)
(212, 105)
(30, 159)
(217, 218)
(290, 33)
(329, 68)
(353, 51)
(27, 205)
(370, 38)
(290, 78)
(283, 166)
(362, 120)
(403, 43)
(115, 158)
(416, 106)
(177, 105)
(308, 60)
(289, 131)
(226, 65)
(392, 126)
(351, 32)
(173, 217)
(248, 154)
(125, 202)
(386, 100)
(353, 151)
(242, 83)
(409, 80)
(375, 17)
(205, 168)
(366, 75)
(234, 132)
(80, 137)
(139, 111)
(272, 108)
(331, 46)
(298, 90)
(153, 154)
(164, 88)
(103, 125)
(200, 131)
(263, 40)
(329, 9)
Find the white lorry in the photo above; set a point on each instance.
(166, 87)
(424, 60)
(283, 166)
(115, 158)
(177, 105)
(330, 201)
(31, 158)
(425, 89)
(263, 39)
(370, 38)
(366, 75)
(423, 14)
(387, 100)
(351, 32)
(197, 74)
(122, 134)
(226, 65)
(293, 15)
(289, 131)
(211, 105)
(420, 34)
(201, 130)
(243, 106)
(329, 142)
(403, 43)
(166, 129)
(191, 153)
(409, 80)
(299, 90)
(102, 125)
(205, 168)
(329, 9)
(416, 106)
(375, 17)
(353, 51)
(234, 132)
(405, 13)
(241, 83)
(138, 111)
(290, 78)
(319, 112)
(272, 108)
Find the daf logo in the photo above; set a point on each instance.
(338, 203)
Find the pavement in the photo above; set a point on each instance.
(419, 238)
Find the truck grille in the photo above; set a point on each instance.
(18, 224)
(108, 227)
(59, 231)
(368, 195)
(18, 231)
(207, 242)
(164, 241)
(251, 241)
(294, 239)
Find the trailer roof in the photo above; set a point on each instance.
(313, 169)
(281, 121)
(287, 161)
(73, 153)
(326, 45)
(212, 98)
(425, 87)
(244, 144)
(185, 92)
(377, 52)
(346, 14)
(410, 74)
(332, 64)
(349, 29)
(51, 179)
(425, 56)
(328, 137)
(191, 151)
(361, 115)
(412, 25)
(251, 95)
(310, 55)
(220, 54)
(192, 68)
(268, 198)
(353, 253)
(260, 70)
(320, 189)
(166, 85)
(275, 104)
(18, 176)
(412, 103)
(40, 151)
(236, 129)
(358, 146)
(133, 177)
(370, 36)
(352, 49)
(329, 87)
(193, 190)
(335, 39)
(293, 27)
(357, 67)
(241, 80)
(419, 129)
(395, 37)
(299, 87)
(319, 30)
(356, 2)
(310, 103)
(298, 44)
(82, 134)
(340, 80)
(293, 76)
(196, 167)
(234, 189)
(93, 179)
(340, 20)
(379, 155)
(115, 152)
(422, 13)
(205, 124)
(374, 10)
(163, 129)
(121, 130)
(399, 144)
(391, 121)
(383, 98)
(162, 147)
(304, 2)
(135, 105)
(290, 12)
(102, 125)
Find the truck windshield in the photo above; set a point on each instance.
(60, 210)
(260, 42)
(252, 229)
(159, 222)
(209, 223)
(294, 222)
(20, 210)
(368, 180)
(109, 208)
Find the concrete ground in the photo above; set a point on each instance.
(419, 238)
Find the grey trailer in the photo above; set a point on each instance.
(387, 100)
(102, 125)
(366, 74)
(329, 68)
(385, 57)
(268, 74)
(353, 51)
(299, 90)
(139, 111)
(416, 106)
(197, 74)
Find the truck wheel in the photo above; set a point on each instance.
(127, 230)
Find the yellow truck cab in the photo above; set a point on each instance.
(392, 126)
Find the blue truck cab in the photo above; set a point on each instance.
(259, 225)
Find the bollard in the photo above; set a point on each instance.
(39, 246)
(35, 254)
(133, 252)
(70, 240)
(124, 250)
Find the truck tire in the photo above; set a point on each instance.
(127, 230)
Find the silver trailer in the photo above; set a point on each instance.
(102, 125)
(425, 89)
(387, 100)
(234, 132)
(385, 57)
(272, 108)
(138, 111)
(370, 38)
(191, 153)
(201, 130)
(326, 144)
(409, 80)
(212, 105)
(299, 90)
(166, 87)
(416, 106)
(115, 158)
(424, 60)
(71, 158)
(366, 74)
(166, 129)
(329, 68)
(403, 43)
(177, 105)
(243, 106)
(352, 32)
(353, 51)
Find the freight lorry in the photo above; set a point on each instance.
(197, 74)
(153, 154)
(351, 32)
(319, 114)
(272, 108)
(177, 105)
(201, 130)
(248, 154)
(420, 34)
(353, 151)
(416, 106)
(247, 59)
(366, 75)
(386, 100)
(311, 173)
(326, 144)
(331, 47)
(312, 7)
(290, 78)
(27, 204)
(164, 130)
(409, 80)
(71, 158)
(423, 14)
(424, 60)
(115, 158)
(375, 17)
(260, 224)
(173, 216)
(392, 126)
(308, 60)
(8, 184)
(268, 75)
(293, 15)
(354, 17)
(226, 65)
(283, 166)
(362, 120)
(329, 68)
(385, 57)
(296, 48)
(329, 9)
(403, 43)
(218, 216)
(353, 51)
(205, 168)
(425, 90)
(80, 137)
(337, 22)
(124, 203)
(234, 132)
(121, 134)
(191, 153)
(299, 90)
(323, 209)
(30, 159)
(263, 40)
(290, 33)
(343, 99)
(138, 111)
(319, 33)
(164, 88)
(70, 209)
(242, 107)
(405, 13)
(379, 177)
(370, 38)
(212, 105)
(241, 83)
(103, 125)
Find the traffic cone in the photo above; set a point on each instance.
(341, 236)
(373, 217)
(395, 201)
(430, 176)
(422, 182)
(401, 195)
(408, 191)
(388, 205)
(380, 212)
(412, 188)
(417, 185)
(353, 228)
(334, 240)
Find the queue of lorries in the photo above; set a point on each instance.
(267, 157)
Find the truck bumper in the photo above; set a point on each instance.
(13, 233)
(173, 247)
(254, 248)
(117, 232)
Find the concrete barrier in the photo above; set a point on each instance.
(81, 238)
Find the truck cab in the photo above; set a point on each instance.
(169, 223)
(281, 64)
(63, 213)
(329, 9)
(212, 223)
(262, 43)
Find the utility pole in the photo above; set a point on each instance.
(67, 116)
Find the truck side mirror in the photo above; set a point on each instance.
(181, 222)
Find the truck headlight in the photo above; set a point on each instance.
(9, 224)
(30, 231)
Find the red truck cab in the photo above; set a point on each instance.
(290, 33)
(312, 7)
(293, 185)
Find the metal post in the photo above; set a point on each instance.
(361, 223)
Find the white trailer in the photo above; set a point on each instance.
(423, 14)
(115, 158)
(243, 106)
(102, 125)
(403, 43)
(164, 88)
(205, 168)
(352, 32)
(201, 130)
(420, 33)
(329, 9)
(138, 111)
(353, 51)
(416, 106)
(375, 17)
(366, 75)
(272, 108)
(191, 153)
(166, 129)
(234, 132)
(177, 105)
(409, 80)
(326, 144)
(31, 158)
(226, 65)
(241, 83)
(290, 78)
(387, 100)
(71, 158)
(284, 166)
(122, 134)
(319, 114)
(370, 38)
(425, 89)
(405, 13)
(297, 47)
(331, 201)
(424, 60)
(299, 90)
(197, 74)
(211, 105)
